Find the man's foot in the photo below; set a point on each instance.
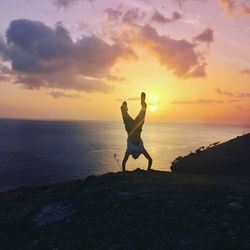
(124, 106)
(143, 98)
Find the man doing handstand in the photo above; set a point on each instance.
(133, 127)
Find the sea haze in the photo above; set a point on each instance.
(43, 152)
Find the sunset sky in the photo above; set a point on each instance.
(78, 59)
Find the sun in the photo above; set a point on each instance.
(153, 108)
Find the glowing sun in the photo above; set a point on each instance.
(153, 108)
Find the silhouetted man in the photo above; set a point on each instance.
(133, 127)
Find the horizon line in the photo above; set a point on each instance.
(94, 120)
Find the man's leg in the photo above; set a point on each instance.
(124, 161)
(150, 160)
(125, 115)
(141, 116)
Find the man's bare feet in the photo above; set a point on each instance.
(124, 106)
(143, 98)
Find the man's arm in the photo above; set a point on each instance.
(150, 160)
(124, 161)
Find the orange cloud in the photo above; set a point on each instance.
(235, 7)
(230, 6)
(181, 57)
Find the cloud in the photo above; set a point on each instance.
(179, 56)
(113, 14)
(4, 78)
(231, 94)
(245, 9)
(203, 101)
(160, 18)
(59, 94)
(245, 71)
(206, 36)
(225, 93)
(244, 95)
(138, 99)
(132, 15)
(235, 7)
(34, 47)
(4, 73)
(229, 6)
(129, 99)
(67, 3)
(128, 16)
(239, 107)
(199, 71)
(42, 56)
(199, 101)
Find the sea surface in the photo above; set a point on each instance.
(43, 152)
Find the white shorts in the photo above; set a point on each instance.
(134, 150)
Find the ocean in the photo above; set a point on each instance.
(44, 152)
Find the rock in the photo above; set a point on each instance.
(52, 213)
(34, 243)
(90, 178)
(234, 206)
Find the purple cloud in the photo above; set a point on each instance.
(42, 56)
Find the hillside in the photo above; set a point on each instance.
(231, 158)
(159, 210)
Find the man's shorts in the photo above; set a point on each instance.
(134, 150)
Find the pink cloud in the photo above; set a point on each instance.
(206, 36)
(245, 8)
(245, 71)
(113, 14)
(67, 3)
(160, 18)
(132, 15)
